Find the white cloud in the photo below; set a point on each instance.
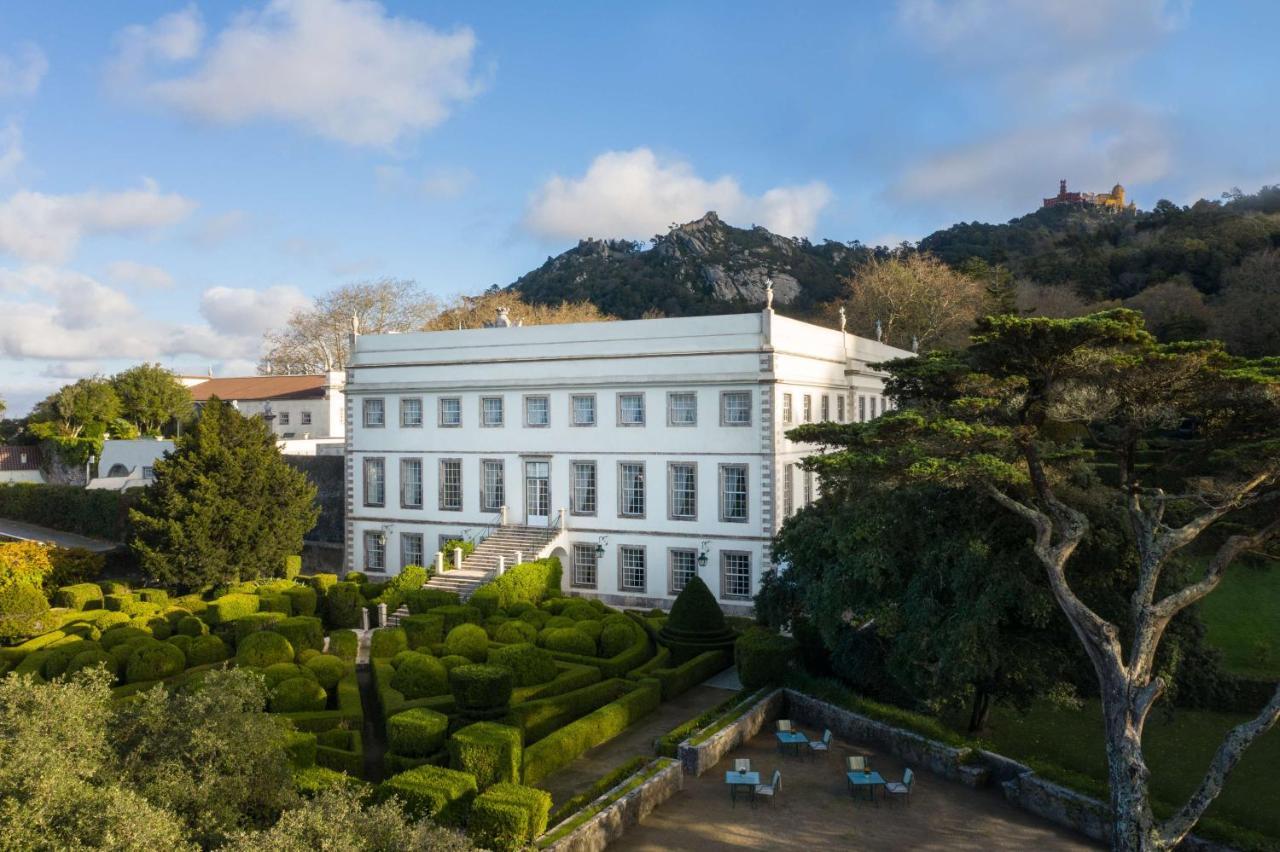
(11, 154)
(175, 37)
(22, 71)
(136, 274)
(216, 230)
(36, 226)
(248, 312)
(343, 69)
(637, 194)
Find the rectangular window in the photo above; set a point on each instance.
(682, 408)
(451, 485)
(148, 472)
(787, 413)
(493, 485)
(537, 411)
(411, 550)
(631, 490)
(735, 408)
(630, 409)
(683, 566)
(826, 408)
(375, 414)
(583, 499)
(583, 409)
(284, 418)
(631, 567)
(735, 574)
(840, 401)
(450, 411)
(411, 483)
(788, 490)
(808, 408)
(682, 480)
(873, 408)
(306, 418)
(490, 411)
(375, 482)
(808, 487)
(411, 412)
(585, 563)
(375, 551)
(862, 409)
(733, 492)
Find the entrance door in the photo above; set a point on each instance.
(537, 493)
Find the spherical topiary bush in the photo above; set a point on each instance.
(452, 661)
(58, 657)
(529, 664)
(468, 640)
(307, 654)
(387, 642)
(302, 631)
(400, 658)
(280, 672)
(696, 624)
(263, 649)
(567, 640)
(417, 733)
(207, 649)
(591, 628)
(762, 657)
(344, 644)
(511, 632)
(154, 662)
(23, 611)
(88, 659)
(423, 629)
(181, 642)
(175, 614)
(189, 625)
(580, 611)
(328, 669)
(538, 618)
(558, 621)
(519, 608)
(616, 638)
(158, 625)
(120, 635)
(481, 691)
(420, 676)
(298, 695)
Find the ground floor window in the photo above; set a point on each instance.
(684, 567)
(585, 563)
(735, 574)
(633, 570)
(411, 549)
(375, 552)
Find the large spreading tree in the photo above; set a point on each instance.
(224, 506)
(151, 397)
(1180, 440)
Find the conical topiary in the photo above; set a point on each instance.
(696, 624)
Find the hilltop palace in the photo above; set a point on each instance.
(639, 452)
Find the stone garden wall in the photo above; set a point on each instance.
(612, 822)
(697, 759)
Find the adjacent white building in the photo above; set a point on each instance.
(651, 450)
(307, 413)
(128, 464)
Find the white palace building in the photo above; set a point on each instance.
(639, 452)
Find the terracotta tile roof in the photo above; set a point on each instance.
(20, 458)
(261, 387)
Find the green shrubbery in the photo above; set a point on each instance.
(568, 640)
(303, 632)
(528, 582)
(88, 659)
(322, 583)
(298, 695)
(23, 611)
(344, 644)
(79, 596)
(189, 625)
(154, 661)
(514, 631)
(207, 649)
(421, 600)
(468, 640)
(327, 669)
(99, 513)
(763, 657)
(343, 604)
(529, 664)
(481, 692)
(417, 733)
(387, 642)
(230, 607)
(455, 615)
(254, 622)
(302, 599)
(509, 816)
(676, 681)
(489, 751)
(420, 676)
(566, 744)
(263, 649)
(696, 624)
(444, 795)
(545, 715)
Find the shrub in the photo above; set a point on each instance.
(696, 624)
(468, 640)
(328, 669)
(580, 610)
(565, 745)
(546, 715)
(508, 816)
(423, 630)
(536, 617)
(79, 596)
(99, 513)
(189, 625)
(616, 638)
(263, 649)
(344, 644)
(468, 548)
(529, 664)
(421, 600)
(207, 649)
(193, 604)
(157, 625)
(278, 673)
(417, 733)
(456, 615)
(554, 605)
(321, 583)
(254, 622)
(156, 596)
(302, 600)
(300, 746)
(594, 629)
(174, 614)
(59, 656)
(355, 577)
(230, 607)
(452, 661)
(116, 602)
(27, 562)
(342, 605)
(298, 695)
(420, 676)
(528, 582)
(23, 611)
(292, 566)
(112, 587)
(480, 691)
(74, 565)
(400, 658)
(387, 642)
(515, 631)
(154, 661)
(558, 621)
(763, 657)
(181, 642)
(486, 599)
(679, 680)
(489, 751)
(275, 602)
(569, 640)
(88, 659)
(120, 635)
(135, 608)
(302, 631)
(307, 654)
(444, 795)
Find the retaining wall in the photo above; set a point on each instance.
(697, 759)
(613, 821)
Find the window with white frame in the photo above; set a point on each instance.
(631, 490)
(735, 408)
(284, 418)
(808, 487)
(375, 482)
(632, 570)
(682, 408)
(788, 490)
(862, 409)
(583, 409)
(585, 566)
(411, 483)
(375, 413)
(411, 550)
(682, 479)
(840, 401)
(808, 408)
(583, 499)
(450, 411)
(787, 412)
(873, 407)
(490, 411)
(493, 485)
(733, 492)
(375, 551)
(148, 472)
(451, 485)
(410, 412)
(537, 411)
(683, 567)
(826, 408)
(630, 409)
(735, 574)
(306, 418)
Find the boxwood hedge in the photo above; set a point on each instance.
(387, 642)
(79, 596)
(263, 649)
(480, 691)
(420, 676)
(344, 644)
(299, 694)
(529, 664)
(417, 733)
(444, 795)
(508, 816)
(467, 640)
(302, 631)
(489, 751)
(154, 661)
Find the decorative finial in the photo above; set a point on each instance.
(355, 324)
(768, 294)
(842, 318)
(915, 343)
(504, 318)
(879, 330)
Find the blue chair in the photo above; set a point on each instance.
(770, 790)
(903, 788)
(822, 745)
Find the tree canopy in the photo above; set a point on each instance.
(151, 397)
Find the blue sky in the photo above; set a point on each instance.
(176, 178)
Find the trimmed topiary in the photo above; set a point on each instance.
(230, 607)
(175, 614)
(487, 750)
(387, 642)
(321, 583)
(113, 587)
(616, 638)
(156, 596)
(191, 626)
(506, 817)
(529, 664)
(182, 643)
(557, 621)
(154, 661)
(120, 635)
(486, 599)
(423, 630)
(763, 657)
(302, 599)
(481, 692)
(328, 669)
(590, 628)
(456, 615)
(400, 658)
(568, 640)
(343, 604)
(307, 654)
(417, 733)
(263, 649)
(88, 659)
(580, 610)
(79, 596)
(115, 602)
(468, 640)
(275, 602)
(452, 661)
(425, 599)
(511, 632)
(443, 795)
(302, 631)
(292, 566)
(278, 673)
(300, 746)
(59, 656)
(538, 618)
(298, 695)
(207, 649)
(355, 577)
(696, 624)
(420, 676)
(344, 644)
(24, 612)
(246, 625)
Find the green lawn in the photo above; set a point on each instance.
(1242, 617)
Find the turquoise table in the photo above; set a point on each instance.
(869, 780)
(741, 779)
(794, 740)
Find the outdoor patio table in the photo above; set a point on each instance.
(741, 779)
(870, 780)
(791, 739)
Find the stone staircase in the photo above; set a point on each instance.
(482, 564)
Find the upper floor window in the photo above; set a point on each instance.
(733, 492)
(375, 413)
(490, 411)
(450, 411)
(537, 411)
(683, 494)
(787, 413)
(583, 407)
(840, 401)
(493, 486)
(808, 408)
(631, 492)
(735, 408)
(826, 408)
(630, 409)
(451, 485)
(682, 409)
(583, 498)
(284, 418)
(411, 483)
(375, 482)
(306, 418)
(411, 411)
